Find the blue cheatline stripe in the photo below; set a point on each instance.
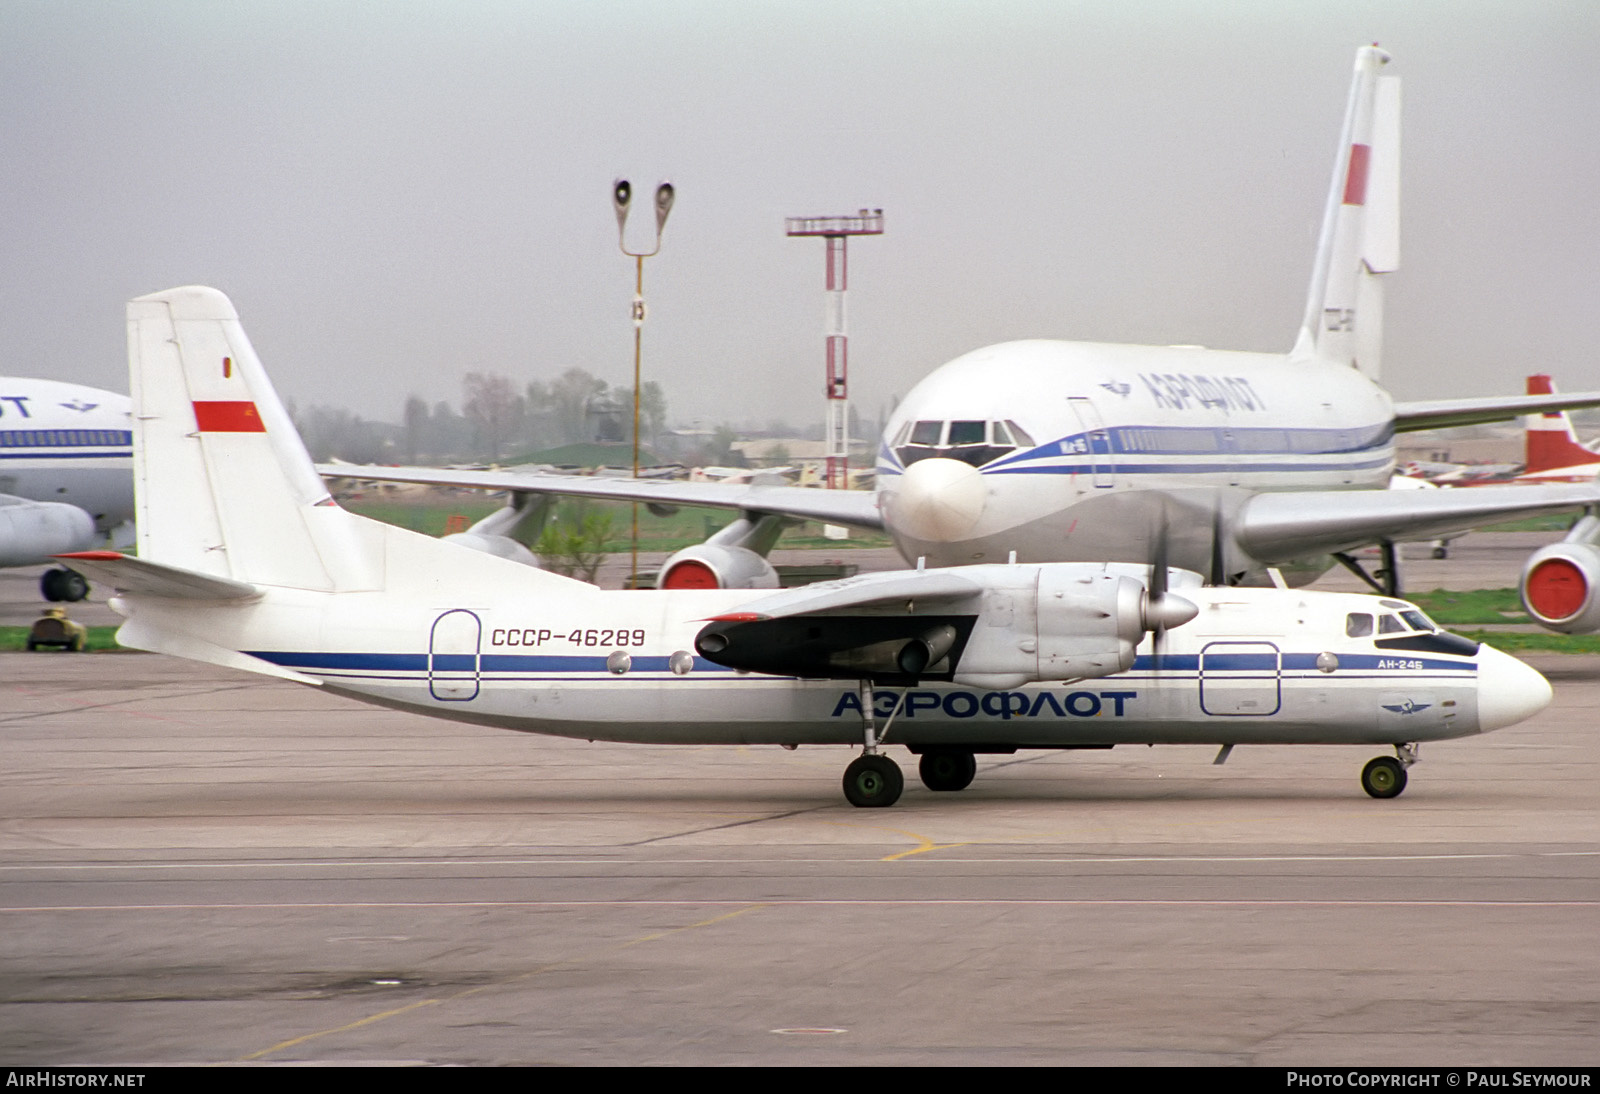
(1156, 441)
(1294, 662)
(549, 663)
(46, 454)
(462, 662)
(1184, 468)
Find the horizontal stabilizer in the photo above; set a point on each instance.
(868, 590)
(857, 508)
(140, 577)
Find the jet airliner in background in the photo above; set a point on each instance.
(66, 475)
(1078, 451)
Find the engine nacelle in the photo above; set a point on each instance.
(31, 531)
(716, 566)
(1079, 624)
(1558, 587)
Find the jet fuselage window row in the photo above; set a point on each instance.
(63, 438)
(1191, 440)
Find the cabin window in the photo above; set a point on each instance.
(1357, 625)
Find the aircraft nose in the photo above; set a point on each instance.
(1509, 691)
(937, 500)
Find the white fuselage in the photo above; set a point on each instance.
(1091, 432)
(68, 444)
(542, 660)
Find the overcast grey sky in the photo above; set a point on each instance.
(395, 194)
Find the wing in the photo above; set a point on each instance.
(857, 508)
(1445, 413)
(1278, 527)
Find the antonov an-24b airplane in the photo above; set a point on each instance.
(1073, 451)
(245, 561)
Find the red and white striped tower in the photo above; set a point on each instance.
(836, 231)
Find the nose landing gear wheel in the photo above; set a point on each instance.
(873, 781)
(1383, 777)
(947, 769)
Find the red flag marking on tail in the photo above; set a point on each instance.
(228, 417)
(1355, 182)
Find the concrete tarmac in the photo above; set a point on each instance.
(200, 866)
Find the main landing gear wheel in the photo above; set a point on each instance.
(873, 780)
(59, 585)
(947, 769)
(1383, 777)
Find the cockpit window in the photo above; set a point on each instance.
(1020, 434)
(1418, 621)
(967, 433)
(969, 440)
(1357, 625)
(1388, 624)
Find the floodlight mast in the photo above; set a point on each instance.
(836, 231)
(621, 199)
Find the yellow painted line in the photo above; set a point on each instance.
(367, 1021)
(372, 1019)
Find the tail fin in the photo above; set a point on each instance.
(1360, 238)
(224, 487)
(1551, 442)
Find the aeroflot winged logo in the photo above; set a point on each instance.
(1407, 707)
(80, 406)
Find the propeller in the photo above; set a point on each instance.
(1163, 609)
(1218, 575)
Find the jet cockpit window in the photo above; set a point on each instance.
(972, 441)
(1020, 434)
(1357, 625)
(965, 433)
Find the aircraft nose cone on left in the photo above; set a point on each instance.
(937, 500)
(1509, 691)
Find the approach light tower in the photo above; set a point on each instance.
(836, 230)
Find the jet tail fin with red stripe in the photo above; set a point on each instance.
(1360, 237)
